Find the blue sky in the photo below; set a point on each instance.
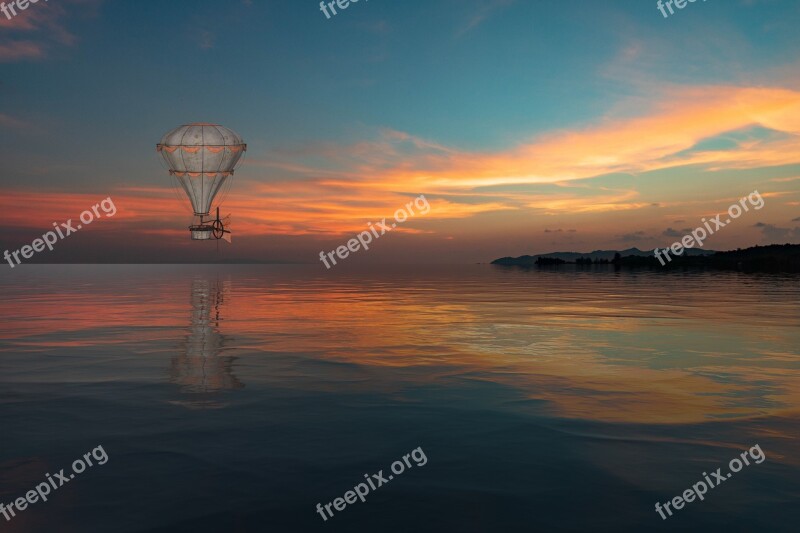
(387, 87)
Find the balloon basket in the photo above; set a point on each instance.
(202, 232)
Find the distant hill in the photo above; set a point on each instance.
(772, 258)
(572, 257)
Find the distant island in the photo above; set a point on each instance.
(771, 258)
(596, 257)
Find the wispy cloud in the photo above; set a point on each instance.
(30, 31)
(12, 123)
(11, 51)
(773, 234)
(206, 39)
(674, 130)
(669, 232)
(636, 236)
(480, 13)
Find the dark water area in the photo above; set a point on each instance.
(237, 398)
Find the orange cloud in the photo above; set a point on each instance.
(17, 50)
(42, 209)
(7, 121)
(329, 189)
(44, 20)
(631, 145)
(364, 179)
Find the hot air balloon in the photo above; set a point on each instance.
(201, 157)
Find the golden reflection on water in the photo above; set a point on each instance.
(616, 347)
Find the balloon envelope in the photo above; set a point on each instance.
(201, 157)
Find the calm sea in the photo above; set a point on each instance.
(237, 398)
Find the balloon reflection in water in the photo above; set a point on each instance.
(200, 369)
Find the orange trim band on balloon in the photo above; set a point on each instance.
(193, 149)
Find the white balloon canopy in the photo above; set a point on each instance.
(202, 157)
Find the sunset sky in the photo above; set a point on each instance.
(530, 126)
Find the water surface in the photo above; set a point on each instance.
(236, 398)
